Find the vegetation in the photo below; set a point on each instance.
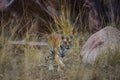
(25, 62)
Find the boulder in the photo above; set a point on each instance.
(100, 42)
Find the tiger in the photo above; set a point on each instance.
(59, 45)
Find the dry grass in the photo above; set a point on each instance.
(23, 62)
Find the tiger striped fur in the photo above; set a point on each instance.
(59, 45)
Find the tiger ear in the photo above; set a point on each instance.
(62, 37)
(74, 31)
(71, 36)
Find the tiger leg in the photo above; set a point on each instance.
(51, 60)
(59, 62)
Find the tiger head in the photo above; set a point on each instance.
(67, 41)
(67, 37)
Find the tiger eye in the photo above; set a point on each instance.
(70, 40)
(65, 40)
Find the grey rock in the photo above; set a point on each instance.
(99, 42)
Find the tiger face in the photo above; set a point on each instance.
(67, 42)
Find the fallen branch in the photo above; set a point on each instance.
(28, 43)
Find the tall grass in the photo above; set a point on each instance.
(18, 62)
(24, 62)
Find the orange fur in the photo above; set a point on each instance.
(54, 40)
(58, 45)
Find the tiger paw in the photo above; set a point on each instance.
(51, 67)
(61, 68)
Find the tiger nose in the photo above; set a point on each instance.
(67, 46)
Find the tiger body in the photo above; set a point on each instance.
(59, 45)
